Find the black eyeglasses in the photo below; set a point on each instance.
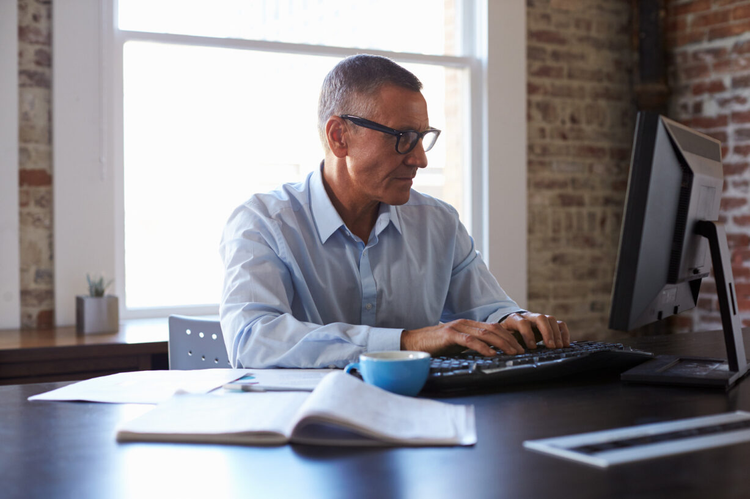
(406, 140)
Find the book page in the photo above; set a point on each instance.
(367, 415)
(223, 417)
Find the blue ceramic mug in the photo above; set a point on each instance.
(403, 371)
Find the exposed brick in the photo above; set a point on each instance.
(547, 37)
(568, 91)
(721, 136)
(724, 3)
(34, 178)
(738, 241)
(570, 200)
(741, 47)
(742, 220)
(42, 57)
(728, 203)
(38, 79)
(730, 101)
(728, 30)
(709, 54)
(741, 117)
(741, 12)
(588, 151)
(550, 183)
(581, 24)
(741, 134)
(695, 71)
(706, 122)
(742, 81)
(586, 74)
(711, 87)
(682, 39)
(567, 56)
(547, 71)
(534, 89)
(33, 34)
(536, 53)
(690, 7)
(723, 66)
(45, 319)
(675, 24)
(711, 18)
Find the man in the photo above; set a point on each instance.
(352, 259)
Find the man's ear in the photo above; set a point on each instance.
(337, 135)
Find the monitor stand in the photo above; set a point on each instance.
(701, 371)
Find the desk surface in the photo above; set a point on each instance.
(61, 354)
(60, 449)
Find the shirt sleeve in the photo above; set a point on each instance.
(474, 293)
(256, 314)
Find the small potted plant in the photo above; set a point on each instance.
(97, 312)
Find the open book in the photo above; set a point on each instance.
(342, 410)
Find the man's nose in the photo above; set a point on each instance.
(417, 157)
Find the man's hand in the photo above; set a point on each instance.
(554, 333)
(459, 335)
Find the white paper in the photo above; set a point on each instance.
(143, 387)
(283, 379)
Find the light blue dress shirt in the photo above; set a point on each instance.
(300, 290)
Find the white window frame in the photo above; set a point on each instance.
(89, 214)
(10, 294)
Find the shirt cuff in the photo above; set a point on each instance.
(501, 319)
(381, 339)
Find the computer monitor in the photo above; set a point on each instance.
(669, 240)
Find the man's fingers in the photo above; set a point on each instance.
(473, 343)
(549, 329)
(564, 333)
(489, 334)
(527, 332)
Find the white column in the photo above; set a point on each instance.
(84, 193)
(506, 164)
(10, 301)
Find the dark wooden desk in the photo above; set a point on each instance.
(61, 354)
(61, 450)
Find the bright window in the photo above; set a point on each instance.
(221, 102)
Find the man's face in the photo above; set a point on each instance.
(376, 171)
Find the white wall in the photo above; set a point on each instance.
(10, 303)
(505, 142)
(84, 194)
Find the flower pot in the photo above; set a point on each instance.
(97, 314)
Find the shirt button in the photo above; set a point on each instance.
(368, 306)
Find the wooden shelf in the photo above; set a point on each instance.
(61, 354)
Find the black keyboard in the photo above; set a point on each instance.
(472, 370)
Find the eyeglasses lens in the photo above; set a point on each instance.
(429, 140)
(409, 140)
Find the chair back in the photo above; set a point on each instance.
(196, 343)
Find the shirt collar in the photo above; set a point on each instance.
(328, 220)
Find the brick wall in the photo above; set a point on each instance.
(709, 64)
(581, 115)
(35, 168)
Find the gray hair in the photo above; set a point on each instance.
(355, 77)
